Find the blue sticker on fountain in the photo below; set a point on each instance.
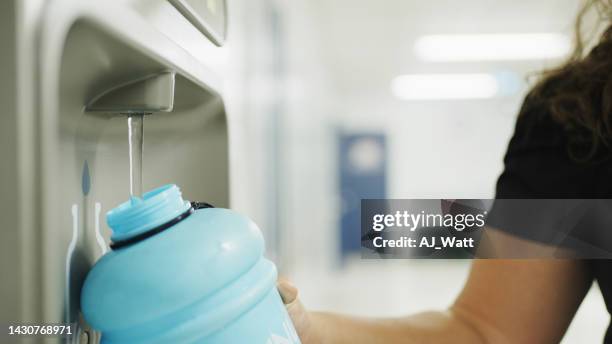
(86, 179)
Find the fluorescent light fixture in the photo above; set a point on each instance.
(492, 47)
(444, 86)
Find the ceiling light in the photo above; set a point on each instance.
(492, 47)
(444, 86)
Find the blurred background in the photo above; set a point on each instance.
(328, 95)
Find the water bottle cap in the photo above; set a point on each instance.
(138, 215)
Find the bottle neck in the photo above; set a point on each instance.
(138, 216)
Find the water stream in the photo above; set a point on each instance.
(135, 141)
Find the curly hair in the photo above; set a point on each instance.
(578, 94)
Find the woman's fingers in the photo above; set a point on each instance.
(287, 290)
(298, 314)
(296, 310)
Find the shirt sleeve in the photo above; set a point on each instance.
(546, 195)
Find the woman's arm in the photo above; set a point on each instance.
(503, 301)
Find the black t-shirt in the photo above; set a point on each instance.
(540, 163)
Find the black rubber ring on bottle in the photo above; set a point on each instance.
(201, 205)
(127, 242)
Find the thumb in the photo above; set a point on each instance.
(289, 294)
(287, 290)
(298, 314)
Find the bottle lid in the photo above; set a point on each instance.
(139, 215)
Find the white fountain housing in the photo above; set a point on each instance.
(77, 65)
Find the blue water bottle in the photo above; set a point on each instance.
(182, 275)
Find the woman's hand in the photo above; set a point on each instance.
(302, 320)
